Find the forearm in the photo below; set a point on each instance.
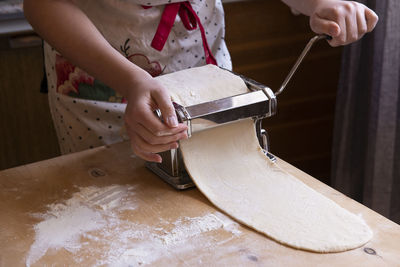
(65, 27)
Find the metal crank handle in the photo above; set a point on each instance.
(300, 59)
(158, 114)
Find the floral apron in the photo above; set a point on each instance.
(160, 36)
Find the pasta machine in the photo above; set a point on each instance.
(259, 103)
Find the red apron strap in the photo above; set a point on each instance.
(189, 19)
(165, 25)
(207, 51)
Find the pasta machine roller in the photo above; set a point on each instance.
(259, 103)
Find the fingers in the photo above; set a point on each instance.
(324, 26)
(152, 139)
(144, 115)
(361, 23)
(344, 30)
(371, 19)
(164, 103)
(147, 151)
(352, 18)
(352, 33)
(145, 144)
(146, 155)
(142, 145)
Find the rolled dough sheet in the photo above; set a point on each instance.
(230, 169)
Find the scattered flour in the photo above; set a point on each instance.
(63, 230)
(189, 227)
(64, 223)
(89, 223)
(152, 244)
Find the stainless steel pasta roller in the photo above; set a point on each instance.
(259, 103)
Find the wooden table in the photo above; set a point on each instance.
(154, 224)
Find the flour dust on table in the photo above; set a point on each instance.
(93, 222)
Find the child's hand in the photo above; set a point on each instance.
(345, 21)
(147, 133)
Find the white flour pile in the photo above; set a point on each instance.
(89, 223)
(64, 223)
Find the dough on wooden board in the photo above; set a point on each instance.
(230, 169)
